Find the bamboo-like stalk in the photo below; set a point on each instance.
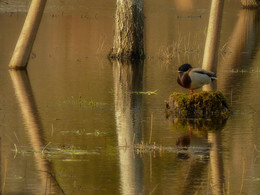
(210, 57)
(151, 132)
(28, 34)
(212, 41)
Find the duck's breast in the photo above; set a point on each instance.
(184, 80)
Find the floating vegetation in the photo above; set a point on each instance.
(82, 102)
(146, 92)
(75, 153)
(256, 179)
(252, 71)
(54, 152)
(16, 177)
(111, 91)
(201, 152)
(86, 132)
(71, 150)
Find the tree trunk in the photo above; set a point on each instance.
(210, 57)
(26, 39)
(129, 25)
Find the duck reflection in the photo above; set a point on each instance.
(199, 141)
(183, 143)
(34, 128)
(128, 78)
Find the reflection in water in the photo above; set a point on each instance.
(171, 171)
(210, 60)
(128, 79)
(240, 46)
(239, 55)
(202, 138)
(216, 163)
(183, 143)
(28, 108)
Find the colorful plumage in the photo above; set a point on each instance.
(194, 78)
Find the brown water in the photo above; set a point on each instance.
(70, 123)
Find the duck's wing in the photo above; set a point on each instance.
(202, 71)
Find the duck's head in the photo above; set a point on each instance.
(184, 68)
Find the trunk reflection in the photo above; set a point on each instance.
(239, 48)
(128, 78)
(33, 126)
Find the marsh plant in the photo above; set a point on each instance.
(86, 132)
(83, 102)
(183, 45)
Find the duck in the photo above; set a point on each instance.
(194, 78)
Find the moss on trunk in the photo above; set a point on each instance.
(198, 105)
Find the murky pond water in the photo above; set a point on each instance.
(77, 123)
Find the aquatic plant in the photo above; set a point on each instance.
(86, 132)
(183, 45)
(54, 151)
(199, 105)
(146, 92)
(82, 102)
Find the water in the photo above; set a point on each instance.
(70, 124)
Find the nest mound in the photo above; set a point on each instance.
(198, 105)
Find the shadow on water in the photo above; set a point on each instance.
(25, 98)
(128, 78)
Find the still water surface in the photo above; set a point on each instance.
(80, 124)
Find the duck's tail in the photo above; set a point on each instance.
(213, 78)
